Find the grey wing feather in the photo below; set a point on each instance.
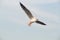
(40, 22)
(26, 10)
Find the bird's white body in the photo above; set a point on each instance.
(32, 21)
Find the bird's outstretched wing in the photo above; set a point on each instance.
(40, 22)
(26, 11)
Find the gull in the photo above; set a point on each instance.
(32, 18)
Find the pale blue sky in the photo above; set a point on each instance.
(13, 20)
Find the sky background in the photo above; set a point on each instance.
(13, 20)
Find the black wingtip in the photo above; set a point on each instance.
(20, 3)
(44, 24)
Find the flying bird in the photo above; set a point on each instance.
(32, 18)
